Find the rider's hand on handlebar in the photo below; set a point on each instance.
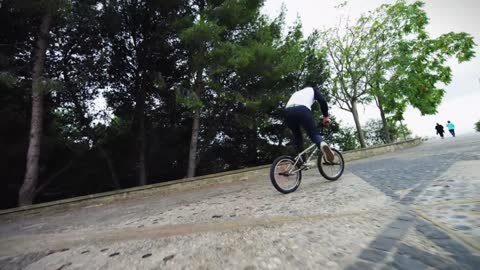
(326, 121)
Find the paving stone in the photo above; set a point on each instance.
(468, 261)
(432, 233)
(382, 243)
(400, 224)
(373, 255)
(394, 233)
(403, 262)
(406, 217)
(452, 246)
(429, 259)
(463, 228)
(21, 261)
(361, 266)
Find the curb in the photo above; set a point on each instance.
(380, 149)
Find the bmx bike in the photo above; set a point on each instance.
(286, 171)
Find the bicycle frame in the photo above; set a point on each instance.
(309, 149)
(299, 157)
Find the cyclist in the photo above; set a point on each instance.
(298, 113)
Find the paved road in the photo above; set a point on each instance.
(413, 209)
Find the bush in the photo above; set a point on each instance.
(477, 126)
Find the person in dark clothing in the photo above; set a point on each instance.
(298, 115)
(440, 130)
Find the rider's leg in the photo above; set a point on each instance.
(294, 124)
(309, 124)
(293, 118)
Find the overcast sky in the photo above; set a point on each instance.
(461, 103)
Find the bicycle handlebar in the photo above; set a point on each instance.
(322, 128)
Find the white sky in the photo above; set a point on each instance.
(461, 103)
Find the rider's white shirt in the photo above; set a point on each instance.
(302, 97)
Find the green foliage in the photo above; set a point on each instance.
(408, 64)
(188, 99)
(7, 79)
(343, 138)
(477, 126)
(47, 86)
(399, 131)
(388, 57)
(375, 134)
(347, 139)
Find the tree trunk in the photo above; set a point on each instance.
(388, 138)
(361, 138)
(403, 131)
(253, 153)
(192, 156)
(27, 191)
(193, 144)
(111, 168)
(141, 134)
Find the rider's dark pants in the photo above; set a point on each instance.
(452, 131)
(301, 116)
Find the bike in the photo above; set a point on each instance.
(287, 169)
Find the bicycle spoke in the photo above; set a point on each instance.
(331, 170)
(287, 176)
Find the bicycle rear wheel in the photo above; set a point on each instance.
(281, 174)
(331, 170)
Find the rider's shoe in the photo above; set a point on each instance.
(327, 152)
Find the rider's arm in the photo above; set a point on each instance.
(321, 100)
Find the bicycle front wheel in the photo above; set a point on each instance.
(285, 175)
(331, 170)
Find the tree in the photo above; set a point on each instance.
(408, 64)
(15, 56)
(81, 67)
(387, 56)
(351, 67)
(220, 25)
(375, 133)
(47, 10)
(477, 126)
(142, 42)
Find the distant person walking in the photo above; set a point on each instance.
(440, 130)
(451, 128)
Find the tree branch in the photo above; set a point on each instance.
(53, 177)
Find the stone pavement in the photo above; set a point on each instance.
(412, 209)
